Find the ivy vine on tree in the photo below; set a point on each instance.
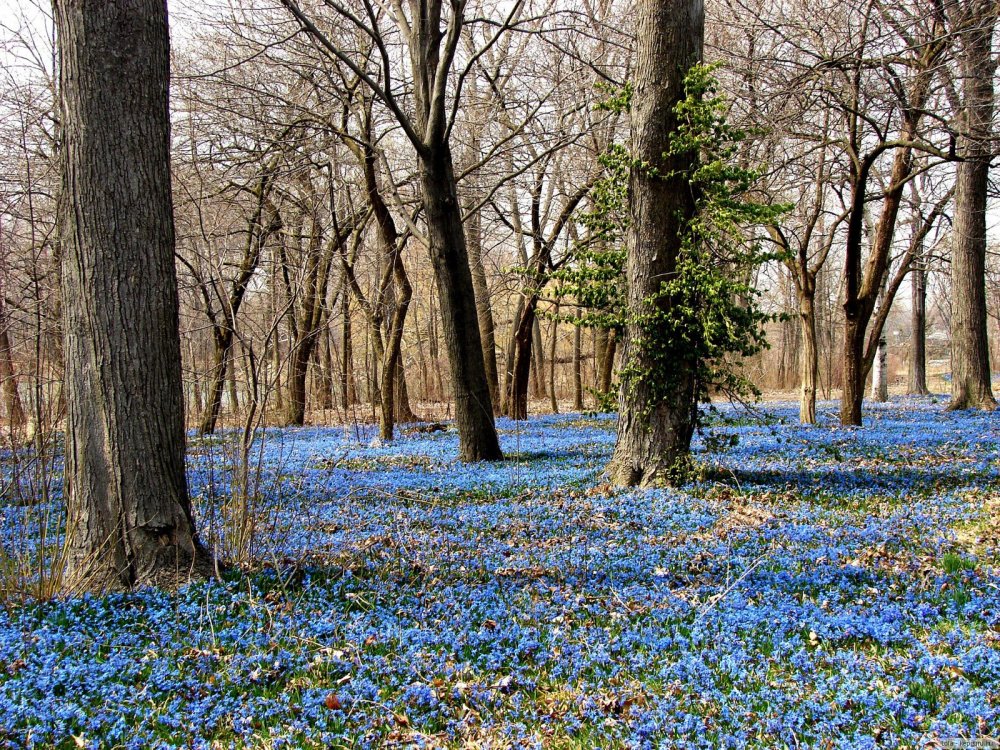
(707, 313)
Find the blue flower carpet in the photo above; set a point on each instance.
(817, 587)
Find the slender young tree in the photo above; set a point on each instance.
(655, 433)
(130, 520)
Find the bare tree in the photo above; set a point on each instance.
(431, 34)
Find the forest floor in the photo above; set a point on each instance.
(820, 587)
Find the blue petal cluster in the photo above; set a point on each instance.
(820, 587)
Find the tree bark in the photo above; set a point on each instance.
(970, 359)
(129, 514)
(8, 378)
(577, 367)
(484, 306)
(600, 338)
(404, 410)
(432, 50)
(608, 366)
(809, 357)
(348, 394)
(880, 374)
(537, 361)
(654, 436)
(917, 384)
(324, 364)
(553, 401)
(459, 322)
(516, 398)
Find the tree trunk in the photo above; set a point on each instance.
(435, 351)
(861, 291)
(325, 367)
(8, 379)
(970, 357)
(553, 401)
(509, 358)
(224, 323)
(880, 374)
(473, 407)
(422, 359)
(537, 361)
(404, 410)
(516, 398)
(917, 385)
(577, 367)
(484, 306)
(234, 393)
(196, 394)
(392, 358)
(301, 355)
(608, 367)
(852, 397)
(809, 358)
(600, 336)
(220, 361)
(654, 435)
(129, 514)
(348, 394)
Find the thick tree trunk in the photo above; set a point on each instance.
(970, 357)
(298, 371)
(654, 435)
(852, 397)
(129, 515)
(861, 290)
(917, 384)
(459, 323)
